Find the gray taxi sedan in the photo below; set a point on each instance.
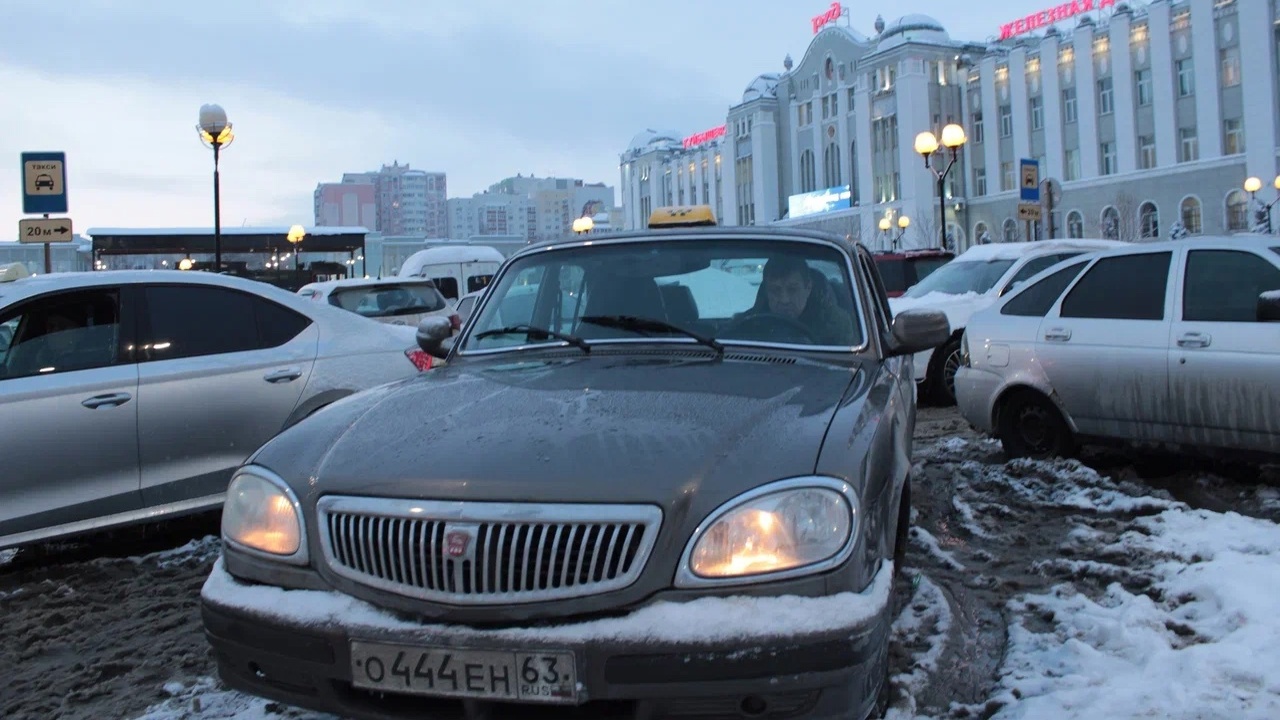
(663, 491)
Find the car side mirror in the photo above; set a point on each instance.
(435, 336)
(914, 331)
(1269, 306)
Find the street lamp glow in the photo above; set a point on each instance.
(904, 222)
(1252, 185)
(926, 143)
(1277, 183)
(953, 136)
(884, 224)
(583, 225)
(296, 233)
(215, 132)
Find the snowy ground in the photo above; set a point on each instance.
(1125, 588)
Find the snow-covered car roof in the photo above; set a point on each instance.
(329, 285)
(1018, 250)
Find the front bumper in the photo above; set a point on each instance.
(976, 392)
(710, 658)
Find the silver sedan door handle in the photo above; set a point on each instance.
(1194, 340)
(111, 400)
(1057, 334)
(285, 375)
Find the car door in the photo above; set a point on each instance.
(1224, 367)
(1104, 347)
(221, 372)
(68, 410)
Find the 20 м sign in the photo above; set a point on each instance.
(1052, 15)
(45, 230)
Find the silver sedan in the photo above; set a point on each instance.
(132, 395)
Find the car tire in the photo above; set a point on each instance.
(1031, 426)
(942, 374)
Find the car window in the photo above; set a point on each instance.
(894, 274)
(185, 321)
(446, 285)
(922, 267)
(1038, 299)
(478, 282)
(1224, 285)
(464, 307)
(961, 277)
(1127, 287)
(881, 300)
(695, 285)
(389, 299)
(69, 331)
(1033, 267)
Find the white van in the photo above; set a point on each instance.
(457, 270)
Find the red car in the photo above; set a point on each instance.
(900, 270)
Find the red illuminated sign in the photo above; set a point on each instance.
(1049, 16)
(832, 14)
(704, 136)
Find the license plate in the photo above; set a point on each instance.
(545, 677)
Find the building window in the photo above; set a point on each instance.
(980, 181)
(1071, 169)
(1231, 67)
(1232, 136)
(981, 235)
(1110, 223)
(1190, 214)
(1075, 224)
(1148, 221)
(1006, 120)
(1188, 145)
(1186, 78)
(1237, 211)
(1147, 152)
(808, 172)
(1069, 105)
(1006, 176)
(976, 127)
(1010, 230)
(848, 100)
(1106, 99)
(1037, 113)
(1142, 80)
(831, 166)
(1107, 153)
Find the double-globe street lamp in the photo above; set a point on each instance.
(903, 223)
(1252, 186)
(927, 144)
(215, 132)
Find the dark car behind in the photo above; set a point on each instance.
(901, 270)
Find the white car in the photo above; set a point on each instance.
(1167, 342)
(973, 281)
(394, 300)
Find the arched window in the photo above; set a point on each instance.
(981, 235)
(808, 172)
(955, 238)
(1075, 224)
(1010, 230)
(1148, 221)
(1237, 211)
(1110, 223)
(831, 166)
(853, 173)
(1190, 213)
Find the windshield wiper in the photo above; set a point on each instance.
(650, 325)
(530, 331)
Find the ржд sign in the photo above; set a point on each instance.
(44, 183)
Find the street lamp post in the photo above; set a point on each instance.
(1253, 185)
(903, 223)
(927, 144)
(296, 233)
(215, 132)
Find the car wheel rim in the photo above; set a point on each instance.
(949, 369)
(1035, 429)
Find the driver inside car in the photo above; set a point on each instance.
(796, 292)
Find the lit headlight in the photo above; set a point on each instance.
(788, 528)
(262, 515)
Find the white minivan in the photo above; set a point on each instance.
(394, 300)
(456, 270)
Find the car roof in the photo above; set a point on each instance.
(688, 234)
(366, 282)
(39, 284)
(1020, 250)
(1241, 240)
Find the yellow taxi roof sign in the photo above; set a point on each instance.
(682, 216)
(13, 271)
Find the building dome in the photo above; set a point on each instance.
(651, 138)
(763, 86)
(913, 28)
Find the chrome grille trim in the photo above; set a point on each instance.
(483, 553)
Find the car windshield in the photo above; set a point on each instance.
(960, 277)
(698, 288)
(388, 300)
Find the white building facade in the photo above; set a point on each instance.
(1147, 118)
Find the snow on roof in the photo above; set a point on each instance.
(235, 230)
(1016, 250)
(449, 254)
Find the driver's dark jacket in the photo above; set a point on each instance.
(826, 321)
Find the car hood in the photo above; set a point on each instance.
(590, 429)
(958, 308)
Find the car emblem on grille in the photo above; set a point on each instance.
(457, 542)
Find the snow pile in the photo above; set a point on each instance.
(206, 700)
(7, 556)
(922, 628)
(1206, 643)
(930, 301)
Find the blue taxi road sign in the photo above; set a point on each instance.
(44, 182)
(1030, 174)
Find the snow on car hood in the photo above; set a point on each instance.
(958, 308)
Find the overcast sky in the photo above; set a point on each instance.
(481, 90)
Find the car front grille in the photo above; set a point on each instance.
(474, 553)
